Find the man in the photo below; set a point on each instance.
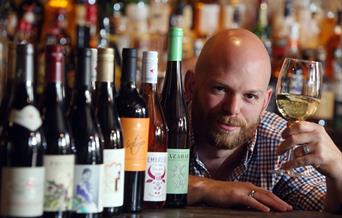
(236, 144)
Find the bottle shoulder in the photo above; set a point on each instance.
(131, 104)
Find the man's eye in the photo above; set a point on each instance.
(251, 97)
(218, 89)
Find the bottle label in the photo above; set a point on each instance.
(22, 191)
(135, 132)
(59, 182)
(114, 165)
(28, 117)
(178, 171)
(88, 189)
(150, 72)
(155, 176)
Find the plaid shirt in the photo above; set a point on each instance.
(305, 193)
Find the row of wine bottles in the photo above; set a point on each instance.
(103, 154)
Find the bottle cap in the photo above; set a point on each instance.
(176, 31)
(129, 53)
(129, 65)
(150, 67)
(175, 44)
(105, 65)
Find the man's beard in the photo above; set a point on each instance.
(229, 140)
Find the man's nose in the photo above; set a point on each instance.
(231, 105)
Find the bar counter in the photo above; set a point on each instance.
(210, 212)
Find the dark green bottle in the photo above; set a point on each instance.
(174, 108)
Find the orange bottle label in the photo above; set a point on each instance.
(135, 137)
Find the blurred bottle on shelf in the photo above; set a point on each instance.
(325, 111)
(181, 17)
(88, 143)
(206, 18)
(59, 158)
(56, 31)
(333, 44)
(232, 14)
(338, 89)
(86, 20)
(113, 31)
(9, 18)
(308, 15)
(30, 21)
(262, 27)
(23, 146)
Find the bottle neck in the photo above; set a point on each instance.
(149, 87)
(23, 94)
(24, 68)
(128, 75)
(54, 92)
(104, 90)
(83, 95)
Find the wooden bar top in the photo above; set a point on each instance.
(210, 212)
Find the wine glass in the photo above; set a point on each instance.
(298, 94)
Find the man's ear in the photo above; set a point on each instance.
(189, 83)
(267, 99)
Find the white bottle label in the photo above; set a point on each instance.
(114, 166)
(155, 176)
(88, 189)
(28, 117)
(59, 182)
(22, 191)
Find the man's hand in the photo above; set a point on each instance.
(317, 149)
(230, 194)
(320, 151)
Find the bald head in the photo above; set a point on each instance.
(234, 48)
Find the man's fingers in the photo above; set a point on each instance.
(272, 201)
(306, 160)
(290, 141)
(253, 203)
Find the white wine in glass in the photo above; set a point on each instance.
(298, 94)
(296, 107)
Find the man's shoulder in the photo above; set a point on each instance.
(271, 125)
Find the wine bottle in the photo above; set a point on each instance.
(87, 135)
(59, 159)
(22, 185)
(135, 123)
(176, 118)
(156, 169)
(113, 153)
